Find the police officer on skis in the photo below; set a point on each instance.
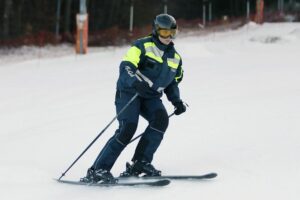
(150, 67)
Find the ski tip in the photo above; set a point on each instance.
(163, 182)
(211, 175)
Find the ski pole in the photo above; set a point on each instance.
(121, 111)
(143, 133)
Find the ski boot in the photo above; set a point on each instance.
(98, 176)
(143, 168)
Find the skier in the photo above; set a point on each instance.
(150, 67)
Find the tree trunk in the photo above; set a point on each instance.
(67, 16)
(6, 18)
(19, 27)
(114, 5)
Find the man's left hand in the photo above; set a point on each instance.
(179, 108)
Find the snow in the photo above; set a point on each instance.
(243, 91)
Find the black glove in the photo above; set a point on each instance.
(179, 108)
(142, 88)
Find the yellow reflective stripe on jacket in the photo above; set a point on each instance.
(180, 75)
(174, 62)
(133, 56)
(152, 55)
(177, 56)
(153, 51)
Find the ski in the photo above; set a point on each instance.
(162, 182)
(176, 177)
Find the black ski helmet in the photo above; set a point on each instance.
(164, 21)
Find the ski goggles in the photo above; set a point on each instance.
(166, 33)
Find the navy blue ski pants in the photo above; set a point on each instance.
(153, 111)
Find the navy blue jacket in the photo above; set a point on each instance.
(151, 61)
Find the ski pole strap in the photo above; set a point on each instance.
(143, 133)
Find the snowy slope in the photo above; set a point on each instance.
(243, 88)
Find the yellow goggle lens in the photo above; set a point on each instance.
(165, 33)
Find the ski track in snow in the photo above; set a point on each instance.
(243, 91)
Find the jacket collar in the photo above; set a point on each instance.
(160, 45)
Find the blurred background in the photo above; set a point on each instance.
(117, 22)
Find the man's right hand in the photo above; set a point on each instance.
(142, 88)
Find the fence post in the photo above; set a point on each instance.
(57, 18)
(165, 6)
(248, 10)
(259, 11)
(82, 29)
(131, 16)
(203, 15)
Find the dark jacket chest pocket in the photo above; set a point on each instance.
(151, 68)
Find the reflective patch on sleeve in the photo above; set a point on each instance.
(177, 56)
(179, 78)
(133, 56)
(174, 62)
